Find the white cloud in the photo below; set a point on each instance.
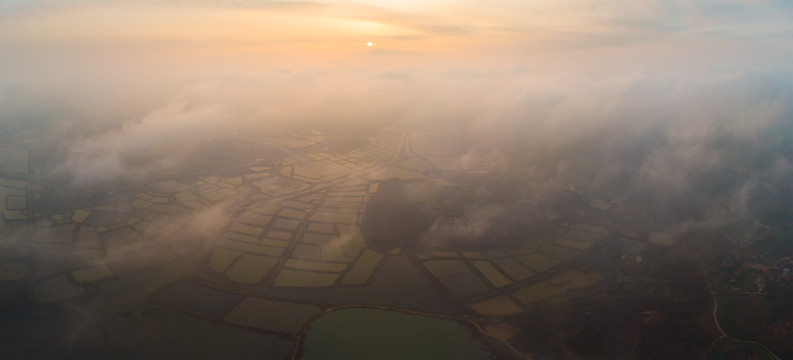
(155, 143)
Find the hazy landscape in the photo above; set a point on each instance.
(294, 179)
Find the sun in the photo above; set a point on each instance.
(369, 44)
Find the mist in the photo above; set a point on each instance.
(130, 105)
(445, 136)
(657, 132)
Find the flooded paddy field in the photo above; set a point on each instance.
(383, 334)
(382, 251)
(292, 179)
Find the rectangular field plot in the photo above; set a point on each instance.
(246, 229)
(363, 268)
(251, 269)
(296, 278)
(17, 202)
(199, 300)
(322, 228)
(586, 227)
(558, 252)
(513, 269)
(536, 292)
(441, 268)
(584, 236)
(491, 273)
(538, 262)
(250, 248)
(221, 259)
(330, 216)
(270, 315)
(314, 265)
(464, 285)
(580, 245)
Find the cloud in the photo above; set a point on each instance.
(188, 234)
(155, 143)
(656, 103)
(674, 106)
(654, 131)
(470, 226)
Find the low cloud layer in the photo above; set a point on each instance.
(159, 141)
(696, 101)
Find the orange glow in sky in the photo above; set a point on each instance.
(500, 34)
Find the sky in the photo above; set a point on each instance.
(654, 101)
(544, 35)
(654, 88)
